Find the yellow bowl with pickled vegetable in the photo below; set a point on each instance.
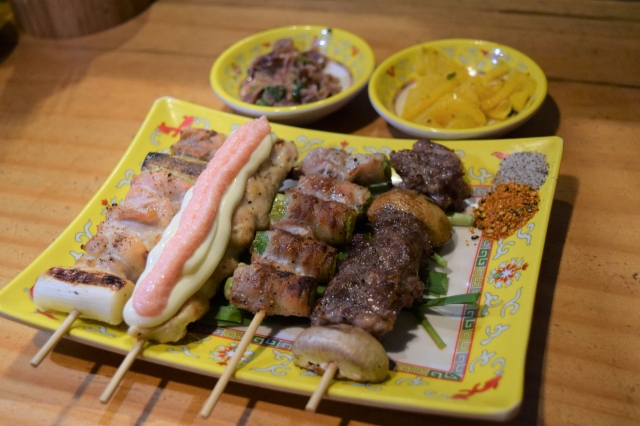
(352, 62)
(457, 89)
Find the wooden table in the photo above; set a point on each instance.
(69, 108)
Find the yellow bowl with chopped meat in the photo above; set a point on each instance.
(457, 89)
(293, 75)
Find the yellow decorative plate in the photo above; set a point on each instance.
(479, 374)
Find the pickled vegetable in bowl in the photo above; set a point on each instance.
(457, 89)
(445, 94)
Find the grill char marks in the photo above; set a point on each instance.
(327, 189)
(198, 143)
(182, 167)
(295, 254)
(77, 276)
(380, 276)
(263, 286)
(435, 171)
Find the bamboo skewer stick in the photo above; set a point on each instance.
(55, 338)
(327, 377)
(124, 367)
(231, 367)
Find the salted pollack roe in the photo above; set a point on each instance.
(195, 220)
(507, 208)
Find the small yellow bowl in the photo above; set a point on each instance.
(393, 75)
(230, 70)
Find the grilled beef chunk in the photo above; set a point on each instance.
(380, 276)
(435, 171)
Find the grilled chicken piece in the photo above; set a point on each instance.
(263, 286)
(102, 280)
(295, 254)
(198, 143)
(327, 188)
(363, 169)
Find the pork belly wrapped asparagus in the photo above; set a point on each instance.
(298, 255)
(284, 274)
(294, 256)
(265, 287)
(329, 221)
(327, 188)
(363, 169)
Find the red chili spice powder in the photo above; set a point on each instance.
(506, 209)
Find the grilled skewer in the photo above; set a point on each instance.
(377, 280)
(214, 218)
(101, 281)
(287, 262)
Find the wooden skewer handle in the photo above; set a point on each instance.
(55, 338)
(327, 377)
(124, 367)
(231, 367)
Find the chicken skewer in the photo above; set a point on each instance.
(170, 305)
(197, 241)
(251, 215)
(101, 281)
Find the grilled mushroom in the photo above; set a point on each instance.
(438, 226)
(357, 354)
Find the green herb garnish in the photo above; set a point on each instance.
(429, 328)
(458, 299)
(435, 282)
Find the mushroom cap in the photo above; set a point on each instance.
(418, 205)
(358, 355)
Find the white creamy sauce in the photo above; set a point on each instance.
(207, 256)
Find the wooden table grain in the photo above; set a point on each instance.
(70, 107)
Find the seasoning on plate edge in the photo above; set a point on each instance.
(523, 167)
(507, 208)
